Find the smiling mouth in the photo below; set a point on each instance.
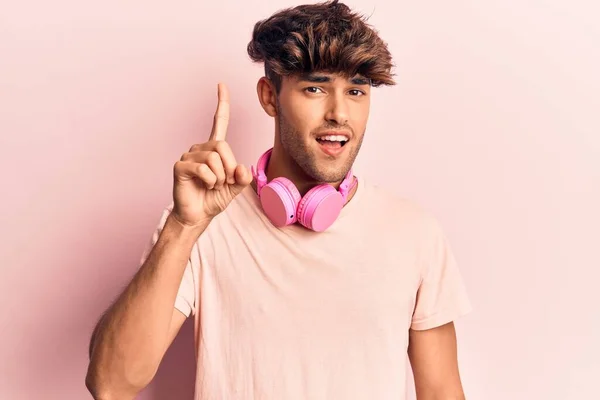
(333, 141)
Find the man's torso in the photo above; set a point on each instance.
(293, 314)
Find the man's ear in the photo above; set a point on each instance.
(267, 96)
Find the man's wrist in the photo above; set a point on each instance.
(184, 232)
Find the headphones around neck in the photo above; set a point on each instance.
(282, 203)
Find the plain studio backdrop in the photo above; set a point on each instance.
(494, 126)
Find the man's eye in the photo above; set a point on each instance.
(353, 92)
(312, 89)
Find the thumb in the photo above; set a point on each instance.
(243, 178)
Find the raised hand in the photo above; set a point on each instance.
(208, 177)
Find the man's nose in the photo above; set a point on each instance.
(337, 110)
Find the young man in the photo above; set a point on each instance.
(296, 292)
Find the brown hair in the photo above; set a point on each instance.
(325, 37)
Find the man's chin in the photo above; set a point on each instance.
(324, 168)
(328, 173)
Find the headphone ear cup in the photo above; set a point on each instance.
(320, 207)
(279, 200)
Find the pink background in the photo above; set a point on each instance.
(494, 126)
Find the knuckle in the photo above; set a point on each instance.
(202, 168)
(178, 167)
(223, 147)
(220, 145)
(213, 157)
(194, 148)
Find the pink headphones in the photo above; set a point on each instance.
(283, 205)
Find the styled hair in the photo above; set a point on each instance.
(326, 37)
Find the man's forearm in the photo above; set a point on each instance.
(129, 340)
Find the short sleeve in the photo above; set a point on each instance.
(186, 294)
(441, 296)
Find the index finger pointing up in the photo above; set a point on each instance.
(221, 120)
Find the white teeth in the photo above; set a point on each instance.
(334, 138)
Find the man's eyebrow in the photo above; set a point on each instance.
(360, 80)
(312, 77)
(319, 78)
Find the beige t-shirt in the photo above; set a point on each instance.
(286, 314)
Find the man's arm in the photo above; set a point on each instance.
(134, 334)
(132, 337)
(433, 357)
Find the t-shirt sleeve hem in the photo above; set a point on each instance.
(440, 319)
(182, 305)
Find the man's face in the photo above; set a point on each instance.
(322, 120)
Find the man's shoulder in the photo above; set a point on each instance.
(389, 209)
